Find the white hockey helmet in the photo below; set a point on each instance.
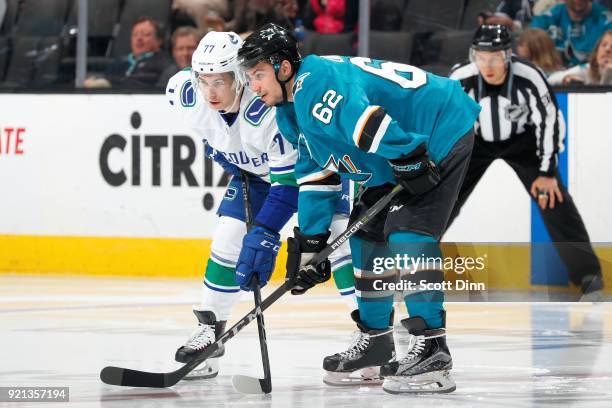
(217, 53)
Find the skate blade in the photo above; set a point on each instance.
(429, 383)
(366, 376)
(596, 296)
(208, 369)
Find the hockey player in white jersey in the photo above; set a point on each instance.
(240, 133)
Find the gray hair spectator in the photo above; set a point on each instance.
(597, 72)
(575, 27)
(185, 40)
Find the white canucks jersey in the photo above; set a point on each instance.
(251, 141)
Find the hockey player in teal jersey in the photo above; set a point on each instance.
(378, 123)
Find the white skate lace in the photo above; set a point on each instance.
(359, 343)
(203, 336)
(417, 348)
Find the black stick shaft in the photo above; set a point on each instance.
(356, 226)
(136, 378)
(266, 383)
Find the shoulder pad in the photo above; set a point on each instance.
(180, 91)
(256, 111)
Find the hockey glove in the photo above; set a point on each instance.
(415, 172)
(301, 249)
(222, 161)
(258, 256)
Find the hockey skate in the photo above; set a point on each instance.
(208, 331)
(592, 289)
(425, 369)
(360, 364)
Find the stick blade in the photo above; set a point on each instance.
(250, 385)
(112, 375)
(132, 378)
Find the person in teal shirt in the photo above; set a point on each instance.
(575, 26)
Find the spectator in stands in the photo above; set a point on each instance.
(597, 72)
(251, 15)
(207, 15)
(575, 27)
(514, 14)
(536, 46)
(522, 124)
(326, 16)
(184, 40)
(350, 14)
(141, 68)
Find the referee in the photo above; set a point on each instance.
(521, 124)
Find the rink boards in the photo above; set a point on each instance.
(116, 185)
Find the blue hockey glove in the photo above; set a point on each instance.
(216, 156)
(415, 172)
(258, 256)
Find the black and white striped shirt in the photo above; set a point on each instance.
(525, 102)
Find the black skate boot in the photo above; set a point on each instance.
(368, 351)
(208, 331)
(425, 368)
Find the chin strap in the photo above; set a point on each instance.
(283, 83)
(237, 98)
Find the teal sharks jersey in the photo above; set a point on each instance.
(351, 115)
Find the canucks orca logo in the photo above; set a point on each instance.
(256, 111)
(188, 95)
(230, 194)
(346, 165)
(233, 38)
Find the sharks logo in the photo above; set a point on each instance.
(346, 165)
(267, 34)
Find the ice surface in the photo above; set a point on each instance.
(61, 331)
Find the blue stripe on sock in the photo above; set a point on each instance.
(221, 290)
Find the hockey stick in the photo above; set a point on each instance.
(243, 383)
(135, 378)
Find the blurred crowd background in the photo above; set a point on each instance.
(140, 44)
